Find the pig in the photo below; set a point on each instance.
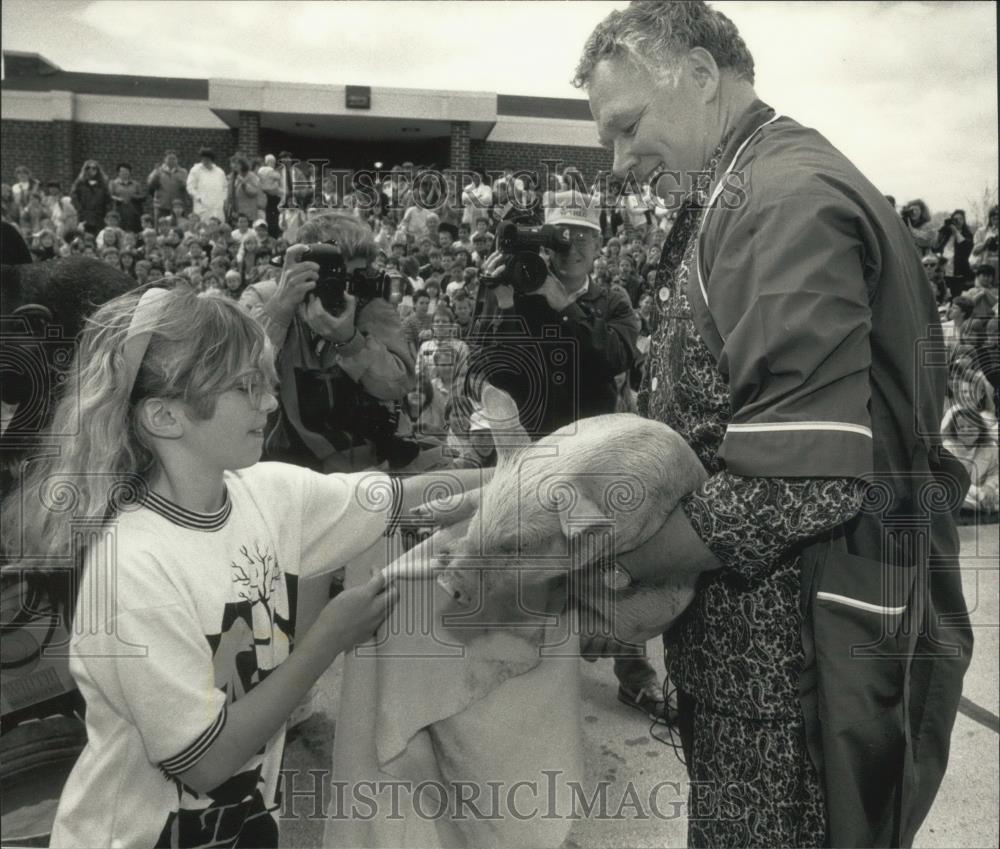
(547, 525)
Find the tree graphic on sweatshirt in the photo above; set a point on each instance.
(259, 582)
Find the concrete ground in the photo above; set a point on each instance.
(619, 747)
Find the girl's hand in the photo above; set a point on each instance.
(355, 614)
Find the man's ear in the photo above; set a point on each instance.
(704, 71)
(161, 419)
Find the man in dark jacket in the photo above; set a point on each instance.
(820, 665)
(559, 353)
(558, 350)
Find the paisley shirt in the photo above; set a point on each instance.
(737, 650)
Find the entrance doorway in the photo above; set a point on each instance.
(355, 154)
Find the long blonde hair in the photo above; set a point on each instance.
(101, 461)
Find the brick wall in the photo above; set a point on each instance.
(495, 156)
(37, 145)
(110, 144)
(25, 143)
(248, 134)
(458, 155)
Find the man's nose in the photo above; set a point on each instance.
(624, 160)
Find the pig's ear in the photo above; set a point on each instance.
(580, 517)
(500, 411)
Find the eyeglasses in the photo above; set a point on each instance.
(582, 237)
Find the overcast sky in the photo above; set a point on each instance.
(907, 90)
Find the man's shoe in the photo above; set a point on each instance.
(648, 700)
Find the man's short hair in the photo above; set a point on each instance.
(420, 293)
(121, 165)
(353, 238)
(965, 304)
(206, 152)
(654, 35)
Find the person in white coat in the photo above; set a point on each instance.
(208, 187)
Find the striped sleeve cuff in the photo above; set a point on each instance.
(810, 449)
(183, 761)
(395, 511)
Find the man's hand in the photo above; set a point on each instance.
(554, 293)
(297, 278)
(492, 270)
(675, 546)
(334, 328)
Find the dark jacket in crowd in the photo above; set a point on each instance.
(557, 366)
(92, 200)
(963, 249)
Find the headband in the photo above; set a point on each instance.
(136, 339)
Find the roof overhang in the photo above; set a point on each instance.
(322, 111)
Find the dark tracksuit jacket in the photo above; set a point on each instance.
(813, 302)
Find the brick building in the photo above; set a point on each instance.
(53, 120)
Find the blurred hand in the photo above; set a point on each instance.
(554, 293)
(492, 270)
(334, 328)
(297, 278)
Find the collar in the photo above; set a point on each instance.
(756, 114)
(580, 292)
(189, 518)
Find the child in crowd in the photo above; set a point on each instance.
(112, 234)
(969, 429)
(188, 674)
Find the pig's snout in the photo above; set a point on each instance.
(453, 583)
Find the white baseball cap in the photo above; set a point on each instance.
(572, 207)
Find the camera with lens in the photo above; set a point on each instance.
(335, 281)
(950, 222)
(346, 416)
(520, 239)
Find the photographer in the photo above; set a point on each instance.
(954, 243)
(916, 216)
(571, 332)
(599, 322)
(342, 369)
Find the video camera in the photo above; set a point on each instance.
(519, 239)
(335, 281)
